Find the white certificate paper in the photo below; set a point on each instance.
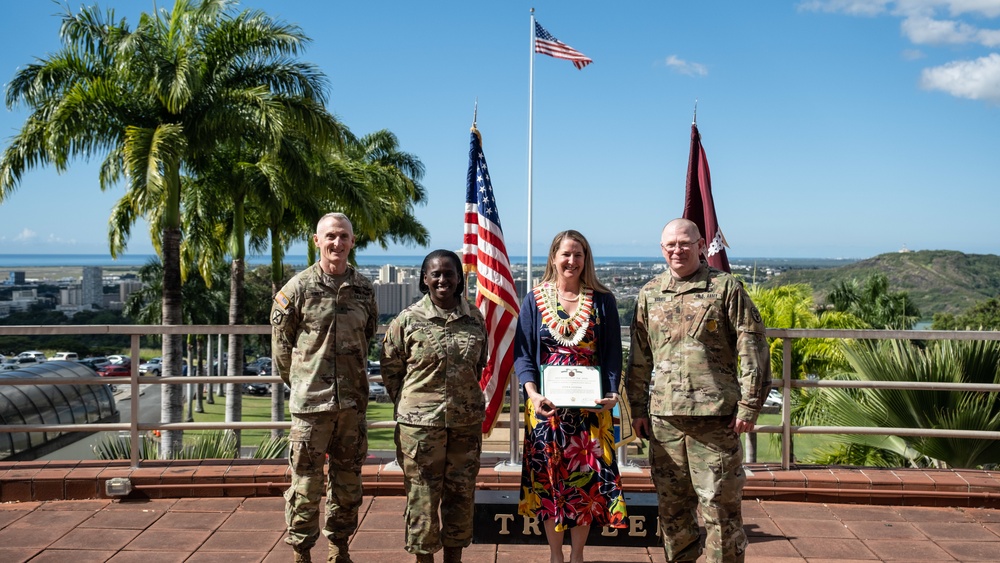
(572, 386)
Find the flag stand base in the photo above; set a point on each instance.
(507, 466)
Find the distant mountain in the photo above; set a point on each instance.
(937, 280)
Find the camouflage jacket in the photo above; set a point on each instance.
(431, 365)
(319, 340)
(690, 333)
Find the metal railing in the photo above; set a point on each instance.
(785, 383)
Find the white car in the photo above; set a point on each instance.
(152, 367)
(38, 356)
(774, 399)
(65, 356)
(117, 359)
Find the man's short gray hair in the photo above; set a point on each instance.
(337, 216)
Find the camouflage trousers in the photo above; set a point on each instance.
(438, 463)
(343, 436)
(698, 460)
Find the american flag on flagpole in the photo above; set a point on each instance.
(485, 254)
(548, 45)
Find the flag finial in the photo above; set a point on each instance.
(694, 120)
(475, 112)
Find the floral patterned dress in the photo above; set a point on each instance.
(570, 471)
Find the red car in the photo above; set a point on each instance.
(114, 370)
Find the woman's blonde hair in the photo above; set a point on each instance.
(589, 274)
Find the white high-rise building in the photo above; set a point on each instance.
(387, 274)
(92, 286)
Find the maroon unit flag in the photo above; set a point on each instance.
(485, 254)
(548, 45)
(699, 206)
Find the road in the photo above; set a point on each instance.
(149, 409)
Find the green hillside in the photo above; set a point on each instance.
(938, 281)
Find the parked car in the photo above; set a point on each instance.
(377, 392)
(153, 367)
(114, 370)
(94, 362)
(38, 356)
(262, 388)
(65, 356)
(11, 364)
(118, 359)
(256, 388)
(254, 367)
(773, 400)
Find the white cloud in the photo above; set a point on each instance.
(26, 235)
(903, 8)
(53, 239)
(684, 67)
(850, 7)
(927, 31)
(939, 23)
(976, 80)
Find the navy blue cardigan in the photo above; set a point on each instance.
(607, 332)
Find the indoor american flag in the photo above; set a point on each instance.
(548, 45)
(485, 254)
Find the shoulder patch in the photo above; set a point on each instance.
(756, 314)
(276, 317)
(282, 300)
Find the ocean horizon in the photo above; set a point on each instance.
(8, 261)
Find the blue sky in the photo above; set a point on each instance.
(833, 128)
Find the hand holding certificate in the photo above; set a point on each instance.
(572, 386)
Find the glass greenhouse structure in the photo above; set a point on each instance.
(50, 404)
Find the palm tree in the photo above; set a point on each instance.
(872, 302)
(939, 362)
(369, 179)
(792, 306)
(154, 101)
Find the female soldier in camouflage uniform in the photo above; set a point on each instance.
(433, 354)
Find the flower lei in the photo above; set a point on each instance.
(568, 332)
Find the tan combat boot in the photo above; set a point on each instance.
(338, 553)
(302, 556)
(452, 554)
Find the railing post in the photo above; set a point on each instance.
(134, 402)
(786, 402)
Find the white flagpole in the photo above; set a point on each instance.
(531, 109)
(515, 400)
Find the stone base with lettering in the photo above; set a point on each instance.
(496, 521)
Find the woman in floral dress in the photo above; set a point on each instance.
(569, 478)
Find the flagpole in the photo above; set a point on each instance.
(531, 124)
(515, 400)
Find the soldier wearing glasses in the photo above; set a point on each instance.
(691, 324)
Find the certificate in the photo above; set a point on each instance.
(572, 386)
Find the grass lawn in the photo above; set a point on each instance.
(769, 445)
(258, 409)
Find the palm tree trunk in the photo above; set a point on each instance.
(187, 387)
(208, 368)
(171, 404)
(234, 392)
(277, 261)
(200, 405)
(277, 389)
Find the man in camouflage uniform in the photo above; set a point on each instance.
(690, 325)
(433, 354)
(322, 321)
